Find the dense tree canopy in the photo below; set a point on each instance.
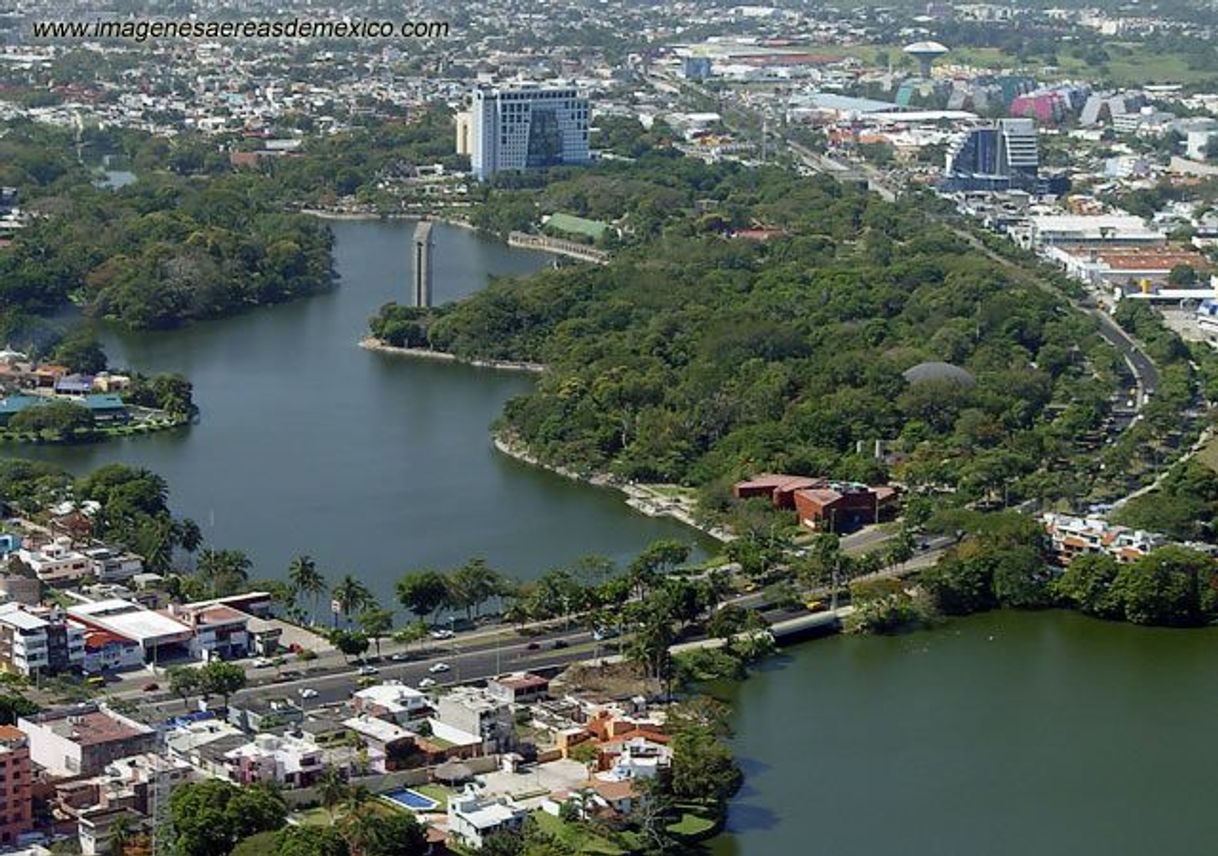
(696, 355)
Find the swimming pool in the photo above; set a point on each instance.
(411, 799)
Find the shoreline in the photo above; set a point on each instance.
(637, 498)
(369, 343)
(357, 217)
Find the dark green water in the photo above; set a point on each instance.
(374, 464)
(1009, 733)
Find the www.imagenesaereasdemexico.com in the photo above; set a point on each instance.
(142, 30)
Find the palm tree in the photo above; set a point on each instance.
(350, 595)
(189, 535)
(225, 571)
(331, 790)
(307, 580)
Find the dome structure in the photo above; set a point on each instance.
(936, 372)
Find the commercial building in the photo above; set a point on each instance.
(153, 631)
(103, 408)
(1003, 156)
(39, 641)
(15, 779)
(220, 631)
(841, 506)
(821, 504)
(82, 740)
(527, 126)
(1091, 229)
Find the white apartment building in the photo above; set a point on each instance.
(57, 563)
(527, 126)
(113, 566)
(32, 643)
(478, 713)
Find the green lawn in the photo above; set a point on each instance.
(693, 823)
(1208, 454)
(313, 817)
(439, 793)
(577, 836)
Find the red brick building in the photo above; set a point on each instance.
(822, 505)
(15, 781)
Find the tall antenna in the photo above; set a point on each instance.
(161, 835)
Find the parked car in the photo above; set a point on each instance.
(308, 692)
(437, 668)
(600, 634)
(151, 687)
(367, 670)
(427, 682)
(399, 657)
(263, 663)
(442, 634)
(96, 680)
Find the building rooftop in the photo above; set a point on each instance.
(130, 620)
(14, 615)
(90, 725)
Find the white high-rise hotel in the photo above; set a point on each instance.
(525, 126)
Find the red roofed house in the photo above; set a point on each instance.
(779, 489)
(822, 505)
(841, 506)
(107, 650)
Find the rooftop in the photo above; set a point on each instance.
(90, 725)
(130, 620)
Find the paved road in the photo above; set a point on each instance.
(476, 663)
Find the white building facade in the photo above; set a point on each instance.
(527, 126)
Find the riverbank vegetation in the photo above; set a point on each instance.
(1000, 563)
(697, 357)
(185, 242)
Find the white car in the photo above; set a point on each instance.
(439, 667)
(427, 683)
(399, 657)
(442, 634)
(308, 692)
(263, 663)
(367, 670)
